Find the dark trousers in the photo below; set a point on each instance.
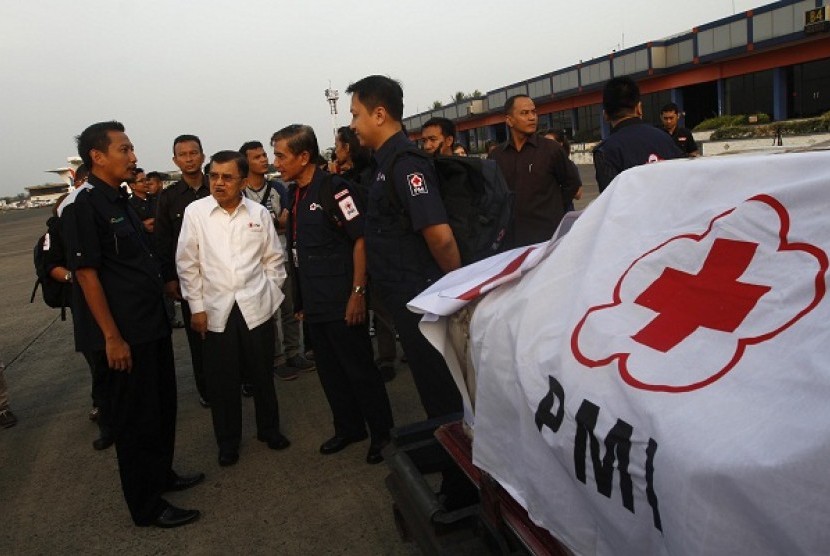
(143, 404)
(350, 379)
(436, 388)
(194, 340)
(228, 355)
(99, 370)
(384, 331)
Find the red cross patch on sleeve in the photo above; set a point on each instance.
(417, 184)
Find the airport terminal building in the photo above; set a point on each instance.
(773, 60)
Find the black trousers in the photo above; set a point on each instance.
(229, 355)
(143, 420)
(432, 377)
(99, 370)
(384, 331)
(350, 379)
(194, 340)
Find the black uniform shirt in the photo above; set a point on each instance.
(684, 139)
(168, 225)
(397, 254)
(146, 208)
(322, 233)
(103, 232)
(632, 142)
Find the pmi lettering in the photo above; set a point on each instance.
(551, 412)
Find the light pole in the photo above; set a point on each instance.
(331, 97)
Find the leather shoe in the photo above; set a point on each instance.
(179, 482)
(172, 516)
(375, 448)
(228, 458)
(337, 443)
(278, 442)
(103, 443)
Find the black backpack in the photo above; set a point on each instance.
(55, 294)
(478, 202)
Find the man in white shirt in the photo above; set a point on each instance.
(231, 268)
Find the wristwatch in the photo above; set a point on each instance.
(359, 290)
(68, 276)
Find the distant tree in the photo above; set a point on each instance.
(437, 104)
(459, 96)
(476, 94)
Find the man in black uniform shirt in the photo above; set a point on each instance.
(141, 200)
(119, 315)
(189, 157)
(406, 253)
(330, 263)
(683, 138)
(632, 141)
(403, 259)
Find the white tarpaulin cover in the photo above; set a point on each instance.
(659, 383)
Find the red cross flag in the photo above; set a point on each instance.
(659, 381)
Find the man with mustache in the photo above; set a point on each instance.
(119, 319)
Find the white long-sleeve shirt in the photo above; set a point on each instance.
(224, 258)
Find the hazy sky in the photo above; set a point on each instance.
(235, 71)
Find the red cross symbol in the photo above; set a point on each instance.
(713, 298)
(415, 180)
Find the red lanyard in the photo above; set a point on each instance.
(295, 209)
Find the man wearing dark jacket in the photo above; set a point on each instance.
(632, 141)
(537, 170)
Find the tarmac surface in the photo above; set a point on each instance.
(59, 496)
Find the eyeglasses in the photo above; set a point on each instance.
(224, 177)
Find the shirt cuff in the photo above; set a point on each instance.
(196, 305)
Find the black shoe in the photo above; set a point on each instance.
(278, 442)
(172, 516)
(179, 482)
(7, 419)
(337, 443)
(375, 448)
(228, 458)
(247, 390)
(103, 443)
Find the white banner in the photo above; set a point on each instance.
(660, 382)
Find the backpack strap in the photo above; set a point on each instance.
(266, 195)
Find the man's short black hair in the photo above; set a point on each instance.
(620, 97)
(249, 146)
(446, 125)
(157, 176)
(231, 156)
(96, 137)
(186, 139)
(508, 105)
(670, 107)
(81, 172)
(299, 138)
(379, 90)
